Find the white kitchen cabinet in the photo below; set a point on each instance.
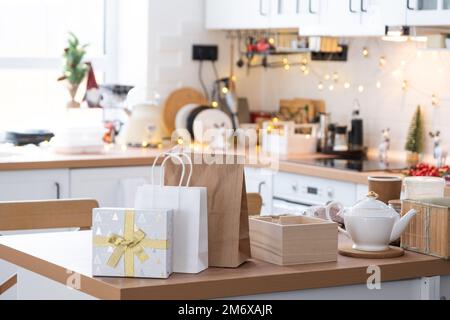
(111, 187)
(345, 18)
(34, 185)
(260, 181)
(428, 12)
(238, 14)
(393, 13)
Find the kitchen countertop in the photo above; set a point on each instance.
(37, 159)
(58, 255)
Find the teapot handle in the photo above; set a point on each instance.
(331, 205)
(341, 210)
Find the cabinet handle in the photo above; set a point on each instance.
(58, 190)
(261, 8)
(362, 7)
(260, 186)
(408, 5)
(350, 6)
(311, 11)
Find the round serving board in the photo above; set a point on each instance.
(393, 252)
(177, 100)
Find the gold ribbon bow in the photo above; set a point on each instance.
(131, 244)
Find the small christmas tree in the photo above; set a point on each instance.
(415, 140)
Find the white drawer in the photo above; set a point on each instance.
(312, 190)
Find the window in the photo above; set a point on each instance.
(33, 34)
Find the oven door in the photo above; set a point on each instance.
(287, 207)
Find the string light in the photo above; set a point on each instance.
(331, 87)
(378, 85)
(180, 141)
(320, 86)
(361, 88)
(285, 61)
(214, 104)
(404, 85)
(287, 67)
(382, 62)
(327, 77)
(225, 90)
(271, 41)
(434, 100)
(335, 77)
(365, 52)
(306, 72)
(347, 85)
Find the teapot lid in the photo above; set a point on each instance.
(371, 204)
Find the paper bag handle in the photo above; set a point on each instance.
(177, 156)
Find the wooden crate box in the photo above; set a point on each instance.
(429, 231)
(290, 240)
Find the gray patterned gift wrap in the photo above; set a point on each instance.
(132, 243)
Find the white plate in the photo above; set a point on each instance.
(183, 115)
(211, 119)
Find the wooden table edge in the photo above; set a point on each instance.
(88, 285)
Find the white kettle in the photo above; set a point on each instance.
(144, 124)
(372, 225)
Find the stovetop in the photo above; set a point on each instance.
(359, 165)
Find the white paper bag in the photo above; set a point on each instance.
(189, 204)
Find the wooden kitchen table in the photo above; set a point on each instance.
(51, 265)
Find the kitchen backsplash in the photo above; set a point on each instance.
(390, 94)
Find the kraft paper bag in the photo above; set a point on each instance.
(190, 221)
(228, 226)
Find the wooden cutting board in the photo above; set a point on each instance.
(177, 100)
(348, 251)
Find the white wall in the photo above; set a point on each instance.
(390, 106)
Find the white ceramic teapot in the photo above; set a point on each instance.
(372, 225)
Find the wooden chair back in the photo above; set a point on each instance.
(53, 214)
(254, 204)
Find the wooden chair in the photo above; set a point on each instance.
(254, 204)
(38, 215)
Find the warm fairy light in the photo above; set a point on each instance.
(365, 52)
(379, 85)
(303, 68)
(144, 144)
(160, 146)
(285, 61)
(233, 78)
(361, 88)
(225, 90)
(214, 104)
(331, 87)
(287, 67)
(347, 85)
(397, 73)
(320, 86)
(271, 41)
(434, 100)
(304, 61)
(180, 141)
(327, 77)
(275, 120)
(270, 128)
(335, 77)
(382, 62)
(404, 85)
(306, 72)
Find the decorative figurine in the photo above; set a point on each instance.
(439, 154)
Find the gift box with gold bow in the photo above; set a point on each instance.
(132, 243)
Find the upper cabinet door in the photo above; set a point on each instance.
(393, 13)
(311, 16)
(428, 12)
(373, 22)
(238, 14)
(286, 14)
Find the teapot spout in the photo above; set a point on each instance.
(401, 225)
